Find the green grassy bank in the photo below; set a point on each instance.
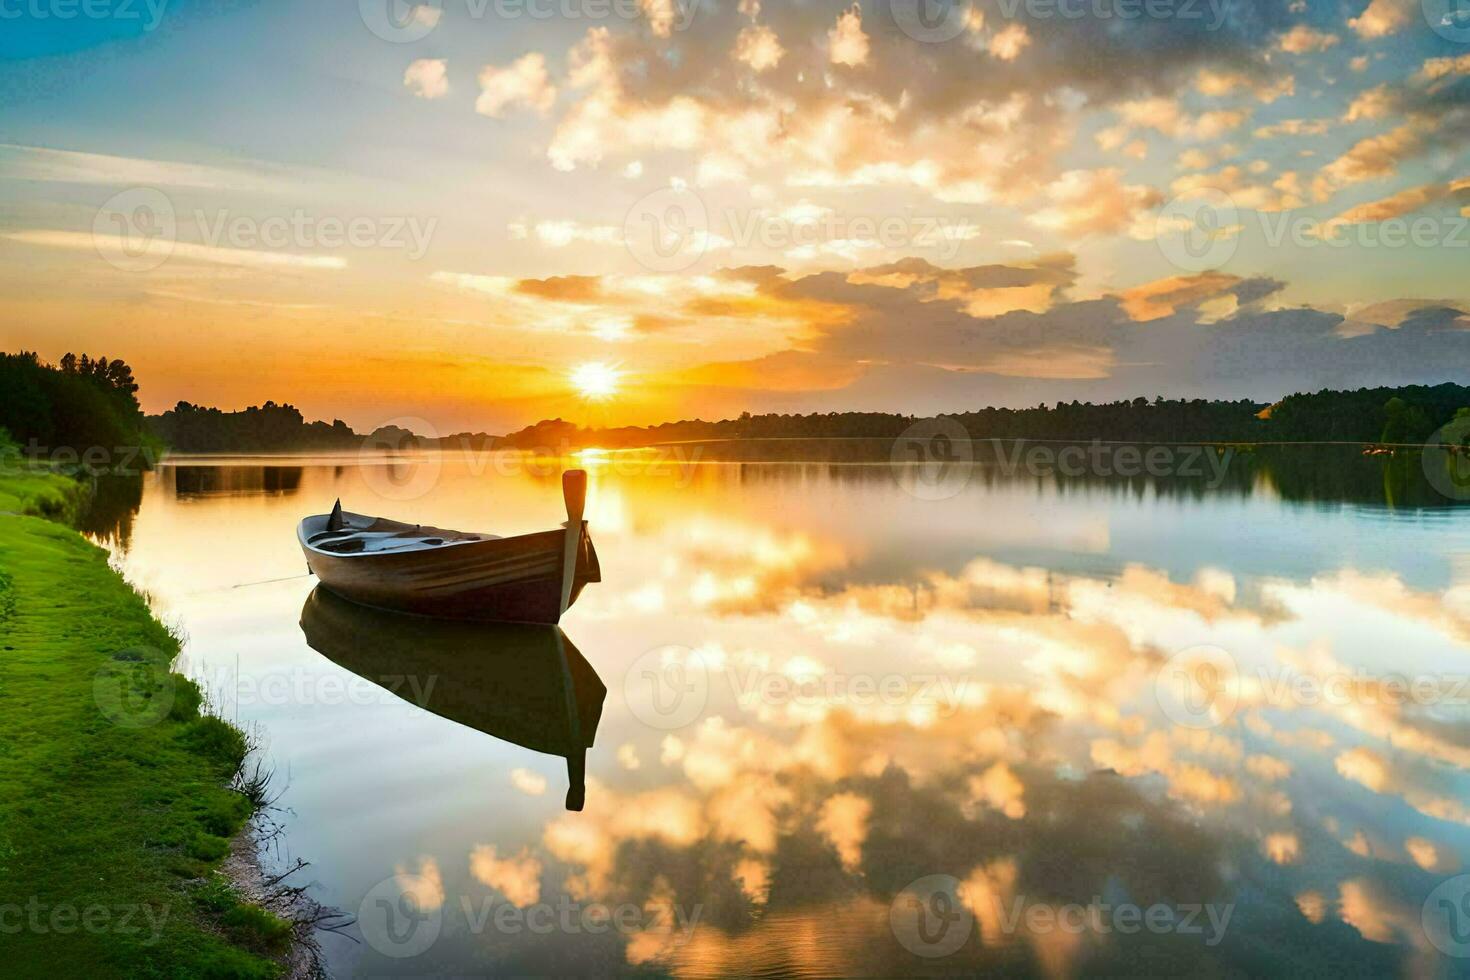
(115, 809)
(37, 490)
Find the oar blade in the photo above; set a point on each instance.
(574, 489)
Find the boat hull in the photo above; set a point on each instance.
(505, 580)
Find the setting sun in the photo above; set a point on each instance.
(596, 380)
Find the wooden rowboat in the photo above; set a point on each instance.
(528, 685)
(429, 571)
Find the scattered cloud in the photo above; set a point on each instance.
(528, 782)
(1098, 202)
(1241, 183)
(1373, 103)
(661, 16)
(846, 42)
(1383, 17)
(1302, 39)
(1372, 158)
(518, 878)
(524, 82)
(560, 234)
(758, 47)
(424, 885)
(1008, 43)
(1293, 127)
(428, 78)
(1400, 204)
(843, 821)
(1436, 69)
(1170, 118)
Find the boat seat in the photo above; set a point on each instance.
(379, 541)
(349, 540)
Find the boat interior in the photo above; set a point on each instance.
(340, 533)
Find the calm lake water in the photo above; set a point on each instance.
(859, 720)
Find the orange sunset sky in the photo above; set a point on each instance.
(448, 211)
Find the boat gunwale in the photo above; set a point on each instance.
(417, 549)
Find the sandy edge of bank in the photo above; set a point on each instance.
(246, 873)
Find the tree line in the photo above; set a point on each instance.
(263, 428)
(78, 402)
(83, 402)
(1389, 415)
(1405, 415)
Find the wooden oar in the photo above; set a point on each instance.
(574, 489)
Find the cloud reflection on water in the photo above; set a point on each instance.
(1019, 744)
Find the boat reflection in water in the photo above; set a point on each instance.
(525, 684)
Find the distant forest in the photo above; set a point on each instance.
(82, 402)
(266, 428)
(1406, 415)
